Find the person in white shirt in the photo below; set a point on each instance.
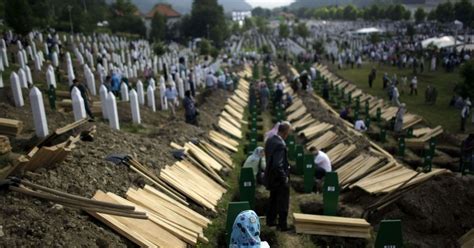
(360, 125)
(322, 162)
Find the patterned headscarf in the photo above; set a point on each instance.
(246, 231)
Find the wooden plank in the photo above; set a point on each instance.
(114, 223)
(177, 207)
(147, 228)
(330, 220)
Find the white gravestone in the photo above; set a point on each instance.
(39, 115)
(134, 107)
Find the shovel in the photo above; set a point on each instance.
(143, 171)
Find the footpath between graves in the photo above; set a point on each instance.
(431, 203)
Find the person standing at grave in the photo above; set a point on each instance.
(277, 177)
(414, 86)
(256, 161)
(371, 80)
(322, 162)
(467, 152)
(264, 95)
(399, 118)
(190, 111)
(171, 95)
(465, 111)
(395, 95)
(85, 96)
(279, 87)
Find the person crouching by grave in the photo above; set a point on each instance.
(116, 83)
(277, 177)
(171, 95)
(190, 111)
(256, 161)
(360, 126)
(246, 231)
(288, 100)
(345, 113)
(85, 96)
(398, 127)
(279, 87)
(322, 162)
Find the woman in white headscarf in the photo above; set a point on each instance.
(256, 161)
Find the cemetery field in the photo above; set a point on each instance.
(439, 114)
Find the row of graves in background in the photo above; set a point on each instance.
(105, 55)
(379, 117)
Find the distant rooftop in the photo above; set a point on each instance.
(163, 9)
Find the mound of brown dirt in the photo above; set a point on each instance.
(436, 213)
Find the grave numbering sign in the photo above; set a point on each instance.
(247, 186)
(331, 193)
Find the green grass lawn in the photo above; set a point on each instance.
(438, 114)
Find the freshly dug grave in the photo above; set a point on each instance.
(28, 222)
(436, 213)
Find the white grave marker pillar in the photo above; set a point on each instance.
(124, 92)
(134, 107)
(113, 114)
(16, 90)
(151, 97)
(39, 115)
(140, 92)
(78, 105)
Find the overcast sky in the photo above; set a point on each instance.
(268, 3)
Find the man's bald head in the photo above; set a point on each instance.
(284, 129)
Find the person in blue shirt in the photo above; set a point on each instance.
(171, 95)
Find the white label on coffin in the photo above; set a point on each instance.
(247, 184)
(331, 188)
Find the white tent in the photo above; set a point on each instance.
(440, 42)
(368, 31)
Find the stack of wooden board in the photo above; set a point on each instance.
(315, 129)
(47, 156)
(10, 127)
(217, 154)
(4, 145)
(356, 168)
(324, 141)
(224, 141)
(142, 232)
(423, 136)
(395, 178)
(340, 152)
(188, 179)
(303, 122)
(410, 120)
(176, 218)
(227, 127)
(332, 226)
(297, 114)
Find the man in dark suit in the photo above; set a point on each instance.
(277, 177)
